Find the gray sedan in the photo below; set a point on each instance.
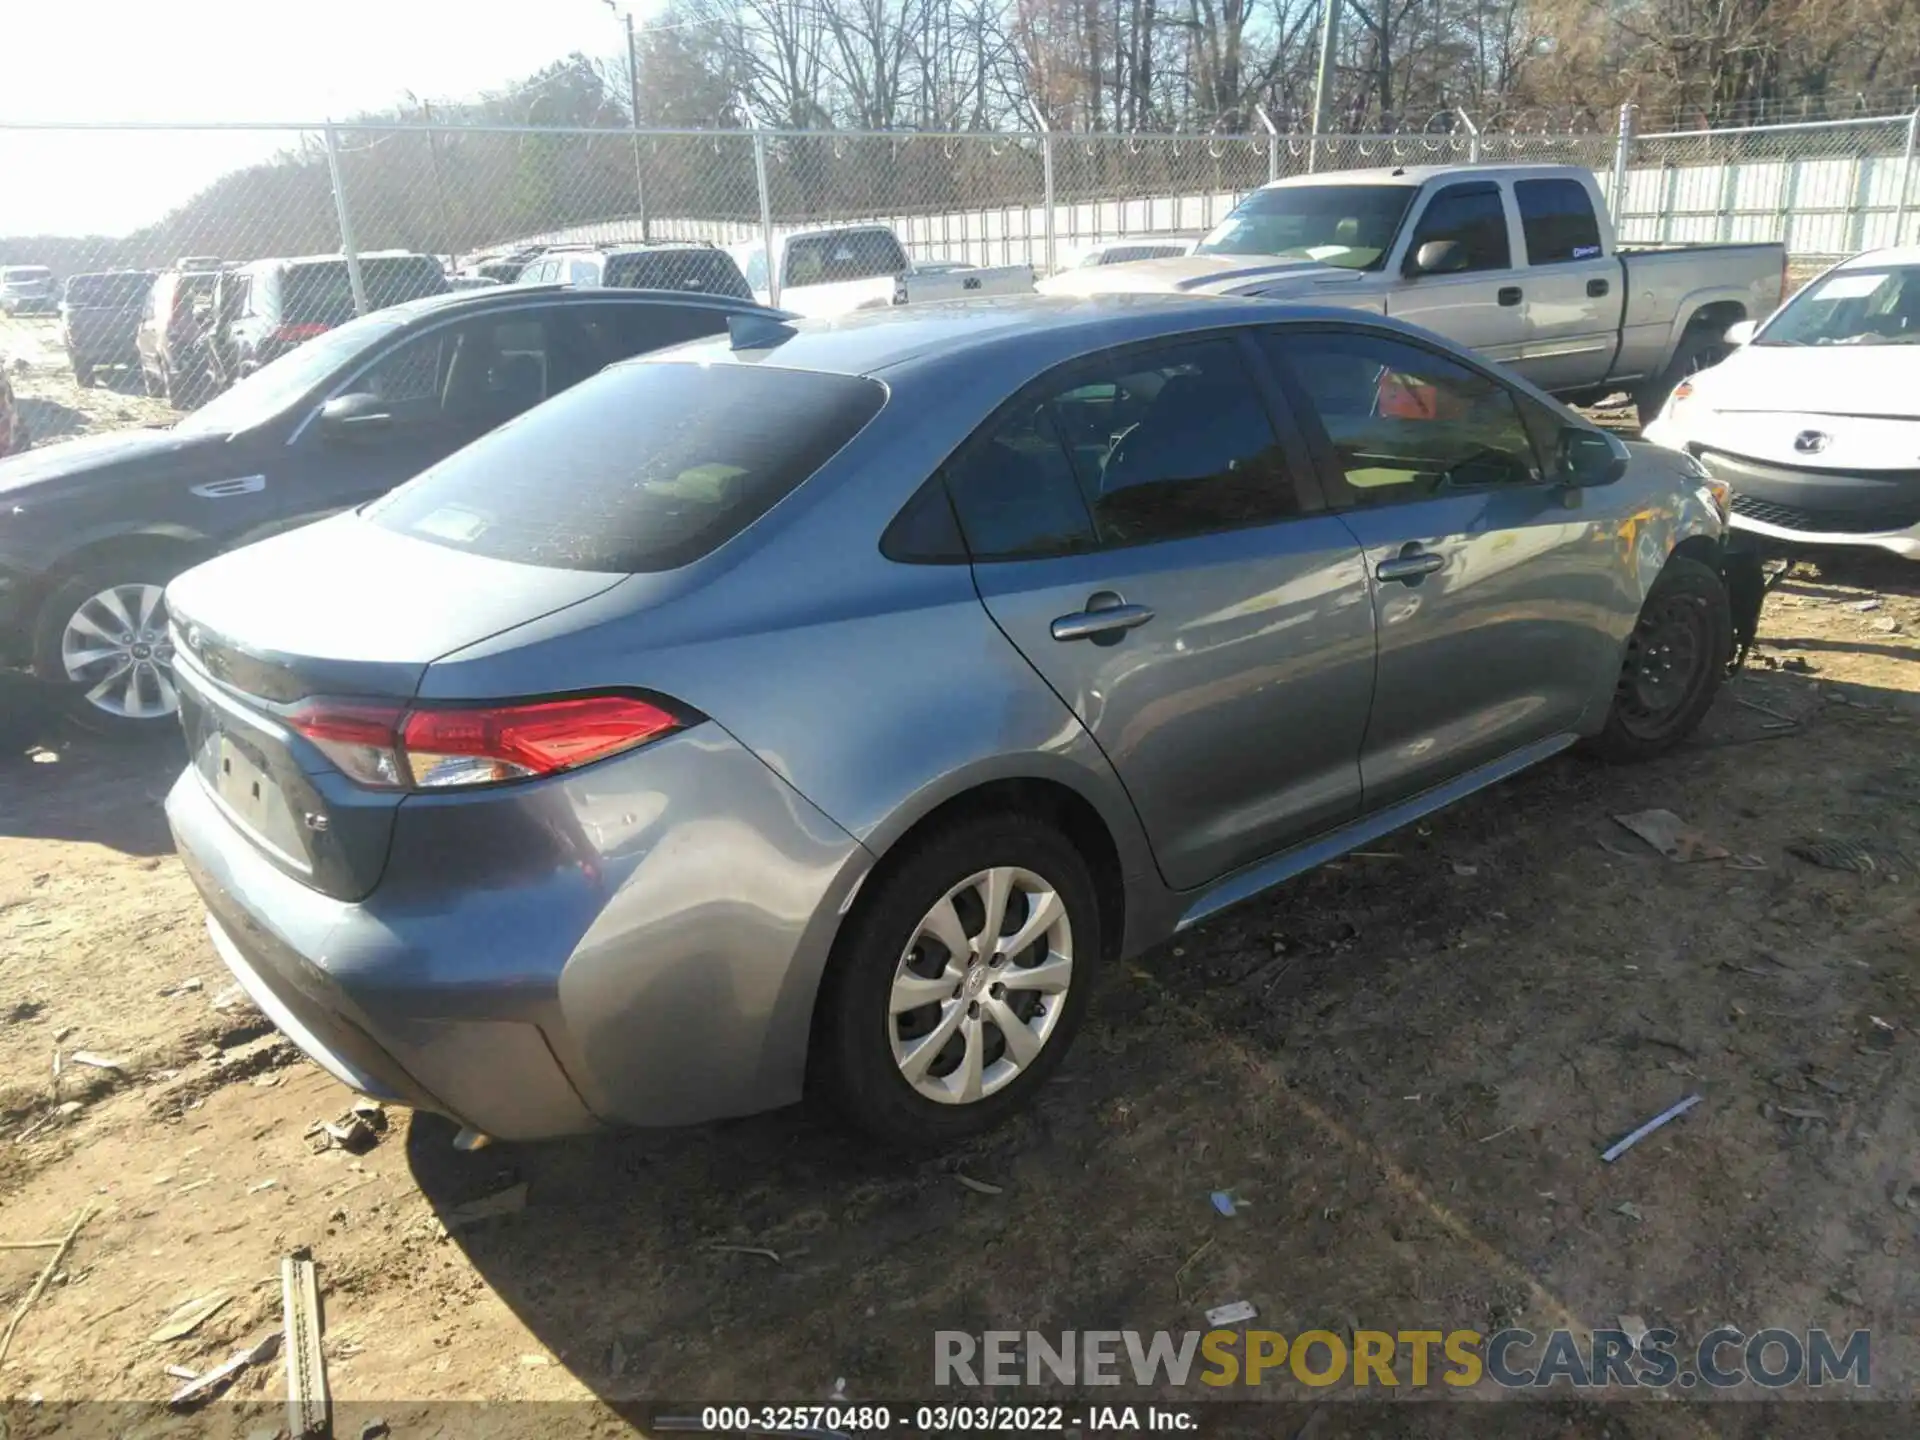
(827, 706)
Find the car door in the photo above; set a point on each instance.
(1157, 550)
(1480, 304)
(1573, 304)
(1493, 588)
(422, 398)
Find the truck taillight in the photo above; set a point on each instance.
(435, 747)
(294, 334)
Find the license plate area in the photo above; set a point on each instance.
(236, 770)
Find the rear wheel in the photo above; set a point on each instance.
(959, 982)
(1676, 658)
(102, 640)
(83, 374)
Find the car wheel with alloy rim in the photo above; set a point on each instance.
(959, 981)
(103, 639)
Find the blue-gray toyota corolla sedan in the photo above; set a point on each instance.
(829, 704)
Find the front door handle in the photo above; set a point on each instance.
(1105, 619)
(1509, 295)
(1596, 288)
(1409, 565)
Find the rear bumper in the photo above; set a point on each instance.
(638, 943)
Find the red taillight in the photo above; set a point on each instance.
(516, 742)
(294, 334)
(361, 737)
(435, 747)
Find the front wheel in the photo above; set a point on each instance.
(102, 639)
(959, 982)
(1676, 658)
(83, 374)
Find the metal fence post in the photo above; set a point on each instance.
(347, 246)
(1046, 179)
(1622, 153)
(1273, 143)
(766, 213)
(1906, 180)
(1473, 131)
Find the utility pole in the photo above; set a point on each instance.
(1323, 78)
(633, 109)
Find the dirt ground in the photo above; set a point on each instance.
(53, 405)
(1406, 1065)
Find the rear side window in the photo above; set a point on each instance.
(643, 468)
(1558, 220)
(702, 272)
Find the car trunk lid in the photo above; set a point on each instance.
(343, 611)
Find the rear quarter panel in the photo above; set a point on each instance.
(1667, 288)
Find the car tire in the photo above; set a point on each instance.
(1675, 661)
(1701, 348)
(872, 1061)
(83, 375)
(145, 702)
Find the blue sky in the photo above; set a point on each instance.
(238, 60)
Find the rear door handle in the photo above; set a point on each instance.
(1409, 565)
(1597, 288)
(1509, 295)
(1101, 621)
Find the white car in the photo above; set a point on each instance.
(1125, 249)
(1814, 419)
(839, 269)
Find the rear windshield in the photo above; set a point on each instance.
(322, 294)
(706, 272)
(122, 291)
(642, 468)
(26, 272)
(848, 255)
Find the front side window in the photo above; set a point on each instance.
(1473, 218)
(1407, 423)
(1159, 445)
(477, 374)
(1557, 219)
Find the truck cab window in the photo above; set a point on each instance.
(1557, 218)
(1472, 216)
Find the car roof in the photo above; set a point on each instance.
(507, 296)
(1026, 332)
(1892, 255)
(1421, 174)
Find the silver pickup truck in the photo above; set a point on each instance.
(1516, 261)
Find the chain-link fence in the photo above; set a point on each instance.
(89, 198)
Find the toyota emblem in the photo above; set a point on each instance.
(1811, 442)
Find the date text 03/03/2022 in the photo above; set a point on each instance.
(936, 1419)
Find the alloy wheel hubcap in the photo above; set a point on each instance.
(116, 646)
(981, 985)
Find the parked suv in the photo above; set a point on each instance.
(27, 290)
(695, 268)
(170, 338)
(92, 530)
(265, 308)
(99, 315)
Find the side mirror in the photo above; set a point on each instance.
(1585, 458)
(1742, 333)
(355, 414)
(1437, 257)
